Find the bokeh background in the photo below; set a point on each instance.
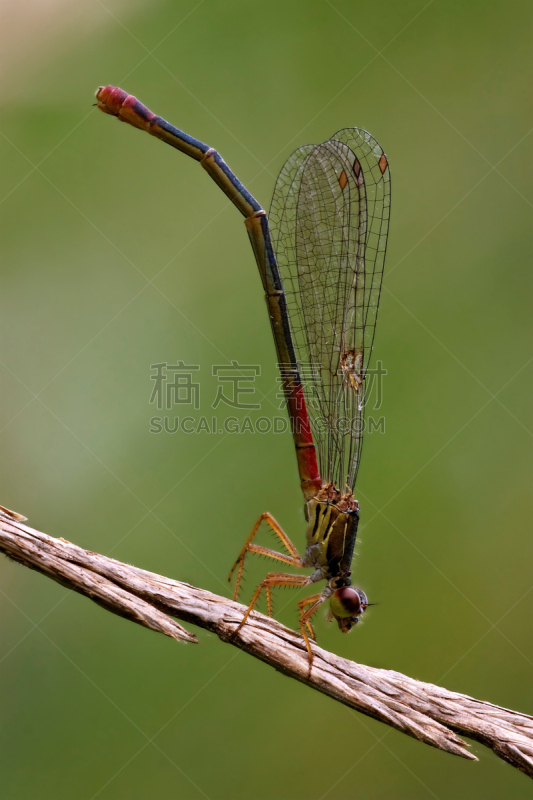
(119, 253)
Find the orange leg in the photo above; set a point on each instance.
(314, 601)
(293, 559)
(273, 579)
(307, 602)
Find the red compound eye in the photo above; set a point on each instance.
(349, 599)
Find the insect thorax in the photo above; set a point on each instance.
(331, 533)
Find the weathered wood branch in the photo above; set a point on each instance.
(429, 713)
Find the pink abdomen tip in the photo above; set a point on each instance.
(115, 101)
(110, 99)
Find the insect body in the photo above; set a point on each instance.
(321, 262)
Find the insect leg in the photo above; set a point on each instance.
(293, 559)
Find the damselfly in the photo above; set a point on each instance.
(321, 262)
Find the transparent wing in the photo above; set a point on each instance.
(329, 219)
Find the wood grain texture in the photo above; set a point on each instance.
(426, 712)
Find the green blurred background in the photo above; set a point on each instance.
(119, 253)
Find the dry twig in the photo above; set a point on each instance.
(427, 712)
